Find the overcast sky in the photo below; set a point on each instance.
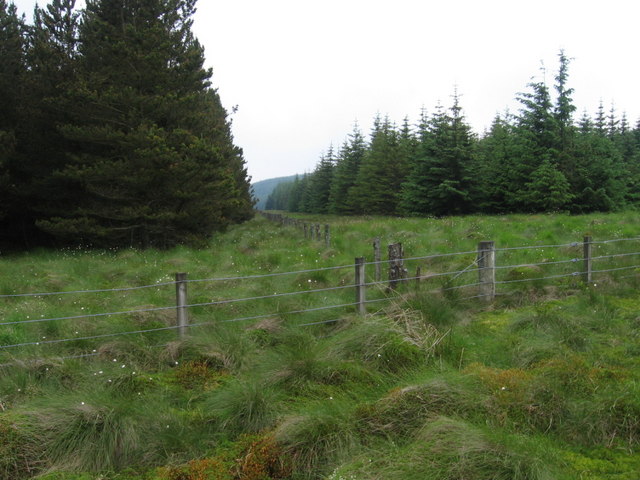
(302, 72)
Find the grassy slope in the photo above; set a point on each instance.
(540, 385)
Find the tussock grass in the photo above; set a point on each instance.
(21, 454)
(450, 449)
(243, 406)
(319, 436)
(403, 410)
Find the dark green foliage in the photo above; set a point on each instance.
(538, 160)
(439, 183)
(126, 142)
(548, 189)
(345, 173)
(12, 52)
(377, 186)
(317, 193)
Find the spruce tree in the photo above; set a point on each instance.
(440, 182)
(548, 190)
(320, 184)
(537, 147)
(496, 175)
(377, 187)
(597, 184)
(414, 195)
(346, 170)
(601, 120)
(564, 108)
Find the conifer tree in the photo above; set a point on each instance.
(153, 157)
(601, 120)
(320, 184)
(51, 58)
(377, 187)
(414, 195)
(564, 108)
(12, 76)
(548, 190)
(537, 147)
(440, 183)
(496, 176)
(346, 170)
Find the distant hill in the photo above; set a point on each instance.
(263, 188)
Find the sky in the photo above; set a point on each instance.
(302, 72)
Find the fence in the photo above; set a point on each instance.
(311, 231)
(481, 274)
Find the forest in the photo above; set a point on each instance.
(111, 134)
(540, 159)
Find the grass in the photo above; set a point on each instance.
(540, 384)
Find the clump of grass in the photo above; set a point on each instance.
(435, 309)
(451, 449)
(104, 430)
(243, 406)
(91, 436)
(319, 436)
(520, 400)
(21, 455)
(609, 419)
(299, 363)
(557, 322)
(395, 341)
(228, 348)
(403, 410)
(127, 351)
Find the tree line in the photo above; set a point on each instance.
(538, 160)
(110, 131)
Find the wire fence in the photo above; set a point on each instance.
(29, 329)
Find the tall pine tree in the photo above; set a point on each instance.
(153, 159)
(12, 121)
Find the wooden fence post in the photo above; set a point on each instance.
(181, 302)
(305, 228)
(327, 236)
(360, 286)
(377, 258)
(587, 274)
(318, 237)
(487, 270)
(397, 272)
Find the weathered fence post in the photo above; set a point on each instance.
(318, 237)
(587, 274)
(181, 304)
(360, 286)
(327, 236)
(397, 272)
(418, 276)
(377, 258)
(487, 270)
(305, 228)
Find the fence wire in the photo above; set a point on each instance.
(454, 274)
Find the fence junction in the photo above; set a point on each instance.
(318, 296)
